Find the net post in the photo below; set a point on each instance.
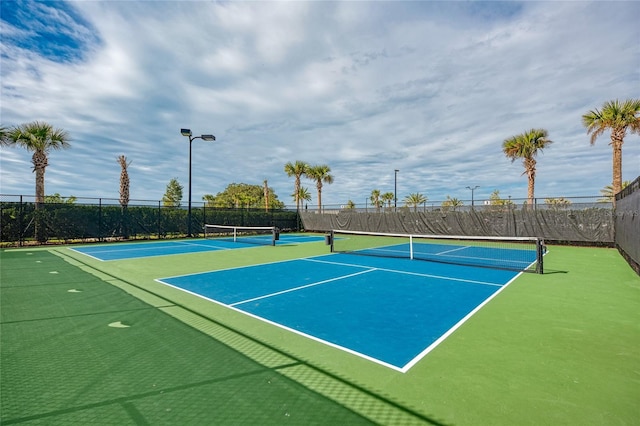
(539, 255)
(331, 236)
(235, 234)
(275, 235)
(411, 247)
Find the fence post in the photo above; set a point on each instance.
(204, 216)
(99, 219)
(20, 223)
(159, 219)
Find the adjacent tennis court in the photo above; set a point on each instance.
(390, 311)
(124, 251)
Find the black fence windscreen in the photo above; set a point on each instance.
(84, 220)
(627, 224)
(592, 226)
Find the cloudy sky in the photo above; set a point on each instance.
(429, 88)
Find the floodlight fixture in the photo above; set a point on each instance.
(185, 132)
(472, 189)
(395, 190)
(208, 138)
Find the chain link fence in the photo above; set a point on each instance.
(23, 221)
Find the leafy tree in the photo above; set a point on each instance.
(387, 197)
(40, 138)
(350, 205)
(173, 194)
(237, 195)
(58, 199)
(619, 117)
(209, 200)
(297, 170)
(320, 174)
(415, 200)
(526, 146)
(451, 203)
(608, 194)
(375, 199)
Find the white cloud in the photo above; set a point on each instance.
(431, 89)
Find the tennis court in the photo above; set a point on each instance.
(294, 335)
(389, 311)
(123, 251)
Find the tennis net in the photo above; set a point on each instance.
(512, 253)
(266, 235)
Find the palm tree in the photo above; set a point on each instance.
(388, 198)
(608, 194)
(40, 138)
(124, 181)
(265, 195)
(557, 203)
(451, 203)
(4, 134)
(296, 169)
(415, 200)
(617, 117)
(499, 204)
(375, 199)
(124, 194)
(526, 146)
(319, 174)
(59, 199)
(302, 194)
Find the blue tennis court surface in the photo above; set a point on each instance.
(390, 311)
(165, 248)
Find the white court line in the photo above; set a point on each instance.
(449, 251)
(342, 277)
(456, 326)
(366, 269)
(407, 272)
(141, 247)
(86, 254)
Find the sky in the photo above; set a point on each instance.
(431, 89)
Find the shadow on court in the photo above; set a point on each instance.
(78, 350)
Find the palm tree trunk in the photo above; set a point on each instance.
(297, 192)
(530, 167)
(266, 196)
(39, 160)
(617, 139)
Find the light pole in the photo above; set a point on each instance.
(472, 189)
(187, 133)
(395, 190)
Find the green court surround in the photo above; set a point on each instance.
(558, 348)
